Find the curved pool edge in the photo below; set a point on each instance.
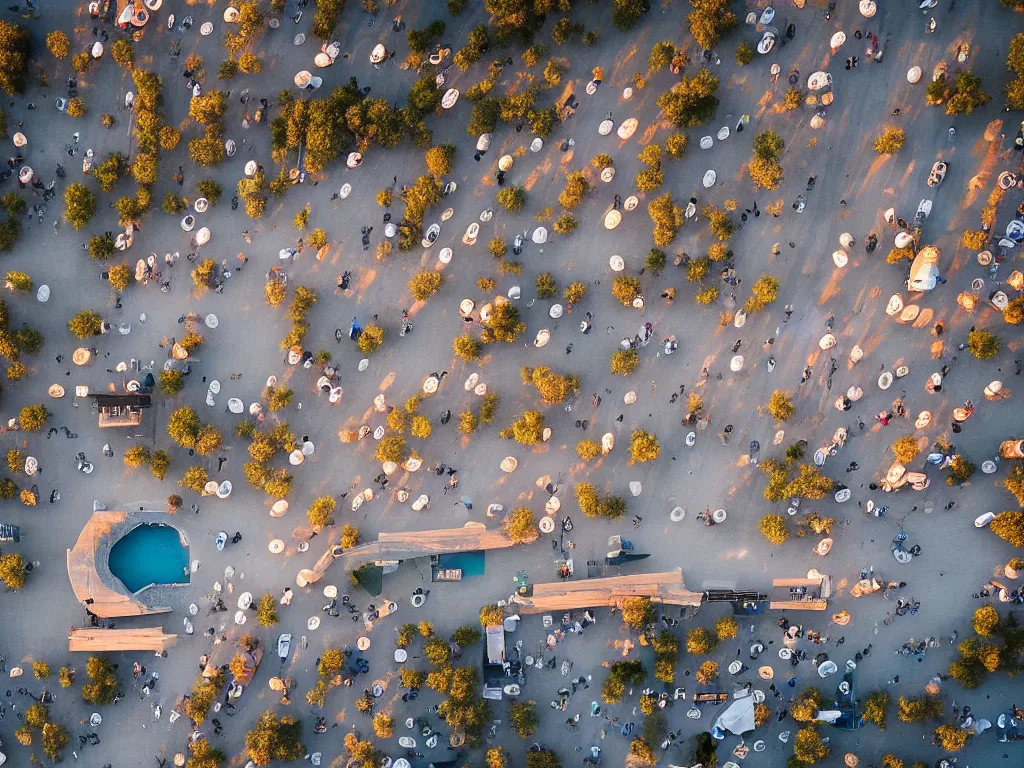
(95, 586)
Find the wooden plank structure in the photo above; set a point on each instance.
(799, 594)
(406, 545)
(91, 640)
(665, 587)
(90, 576)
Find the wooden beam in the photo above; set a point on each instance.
(666, 587)
(89, 640)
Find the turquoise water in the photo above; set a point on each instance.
(149, 554)
(471, 563)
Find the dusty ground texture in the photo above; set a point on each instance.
(956, 558)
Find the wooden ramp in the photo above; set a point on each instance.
(89, 640)
(666, 587)
(406, 545)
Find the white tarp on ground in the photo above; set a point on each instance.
(739, 717)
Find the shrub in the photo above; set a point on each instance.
(32, 418)
(195, 479)
(321, 511)
(806, 705)
(79, 205)
(643, 446)
(1008, 526)
(918, 710)
(983, 344)
(425, 284)
(523, 718)
(951, 737)
(58, 44)
(421, 427)
(808, 748)
(726, 628)
(773, 528)
(890, 141)
(574, 293)
(765, 290)
(655, 261)
(576, 189)
(700, 642)
(780, 406)
(905, 449)
(136, 456)
(960, 471)
(876, 709)
(624, 362)
(637, 612)
(512, 198)
(392, 448)
(526, 430)
(625, 288)
(466, 348)
(266, 611)
(370, 339)
(122, 52)
(547, 288)
(565, 224)
(588, 450)
(77, 107)
(765, 174)
(707, 673)
(985, 621)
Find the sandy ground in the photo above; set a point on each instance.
(956, 558)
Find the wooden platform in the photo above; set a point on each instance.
(666, 587)
(93, 584)
(406, 545)
(88, 640)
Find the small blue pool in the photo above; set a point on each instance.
(149, 554)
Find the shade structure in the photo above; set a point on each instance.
(837, 41)
(537, 144)
(706, 142)
(20, 140)
(302, 78)
(224, 489)
(894, 305)
(276, 546)
(466, 306)
(607, 174)
(483, 142)
(627, 93)
(509, 464)
(378, 54)
(846, 240)
(616, 263)
(43, 294)
(552, 505)
(629, 398)
(924, 418)
(251, 167)
(885, 380)
(201, 205)
(627, 128)
(631, 203)
(540, 235)
(430, 385)
(913, 74)
(556, 311)
(867, 8)
(736, 364)
(819, 80)
(817, 121)
(542, 338)
(97, 49)
(322, 60)
(635, 487)
(471, 381)
(840, 258)
(25, 174)
(363, 643)
(506, 162)
(445, 255)
(211, 321)
(210, 488)
(612, 219)
(244, 600)
(546, 525)
(206, 29)
(710, 177)
(231, 15)
(723, 133)
(605, 127)
(296, 457)
(279, 509)
(313, 623)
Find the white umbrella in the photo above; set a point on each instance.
(607, 174)
(612, 219)
(353, 160)
(827, 341)
(540, 235)
(840, 258)
(630, 203)
(322, 60)
(201, 205)
(97, 49)
(211, 321)
(333, 49)
(605, 127)
(231, 15)
(819, 80)
(445, 255)
(251, 168)
(505, 163)
(240, 617)
(235, 405)
(188, 223)
(867, 8)
(302, 78)
(378, 54)
(706, 142)
(450, 97)
(837, 41)
(709, 179)
(723, 133)
(483, 143)
(616, 262)
(556, 311)
(537, 144)
(20, 140)
(543, 337)
(244, 600)
(846, 240)
(25, 174)
(206, 29)
(203, 236)
(229, 147)
(736, 364)
(904, 239)
(817, 121)
(913, 74)
(43, 294)
(628, 128)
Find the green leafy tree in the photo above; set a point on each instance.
(79, 200)
(512, 198)
(58, 44)
(808, 747)
(576, 189)
(709, 20)
(983, 344)
(773, 527)
(625, 288)
(266, 611)
(15, 48)
(876, 709)
(637, 612)
(274, 738)
(643, 447)
(692, 101)
(527, 429)
(425, 284)
(12, 571)
(624, 362)
(966, 94)
(32, 418)
(523, 718)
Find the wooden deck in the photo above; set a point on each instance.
(88, 640)
(666, 587)
(93, 584)
(406, 545)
